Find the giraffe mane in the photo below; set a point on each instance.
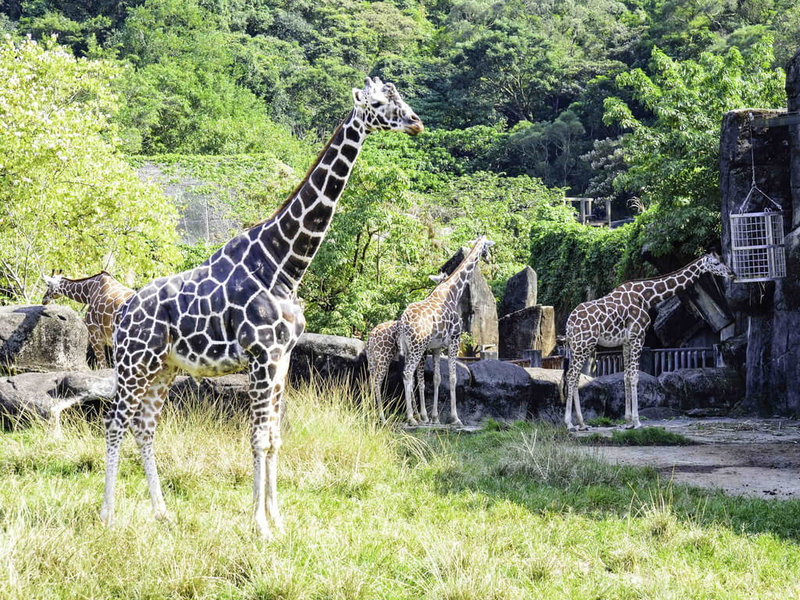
(675, 272)
(449, 277)
(103, 272)
(310, 170)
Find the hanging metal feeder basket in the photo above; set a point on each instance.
(757, 245)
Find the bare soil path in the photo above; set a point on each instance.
(749, 457)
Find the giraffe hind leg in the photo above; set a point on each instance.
(423, 410)
(437, 379)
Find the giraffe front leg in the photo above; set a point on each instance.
(626, 362)
(265, 396)
(437, 379)
(632, 380)
(144, 425)
(423, 410)
(98, 344)
(452, 353)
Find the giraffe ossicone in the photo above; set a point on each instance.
(622, 318)
(238, 309)
(103, 295)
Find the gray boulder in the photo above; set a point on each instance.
(498, 390)
(330, 357)
(605, 396)
(521, 292)
(39, 338)
(688, 389)
(29, 396)
(532, 328)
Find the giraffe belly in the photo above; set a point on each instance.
(218, 358)
(610, 341)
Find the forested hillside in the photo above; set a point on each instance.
(523, 102)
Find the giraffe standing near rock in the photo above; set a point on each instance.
(622, 318)
(432, 324)
(381, 350)
(238, 309)
(103, 296)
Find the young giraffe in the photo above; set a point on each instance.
(103, 295)
(238, 309)
(432, 324)
(381, 350)
(621, 318)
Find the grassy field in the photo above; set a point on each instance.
(373, 512)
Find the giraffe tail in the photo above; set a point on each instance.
(562, 390)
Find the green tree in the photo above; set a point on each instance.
(672, 157)
(69, 198)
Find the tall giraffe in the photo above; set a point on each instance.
(103, 295)
(238, 309)
(622, 318)
(432, 324)
(381, 350)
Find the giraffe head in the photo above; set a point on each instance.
(53, 290)
(713, 263)
(382, 108)
(487, 243)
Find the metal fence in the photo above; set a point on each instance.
(656, 361)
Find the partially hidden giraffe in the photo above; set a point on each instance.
(103, 296)
(238, 309)
(381, 350)
(622, 318)
(433, 324)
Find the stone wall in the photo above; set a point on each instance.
(767, 313)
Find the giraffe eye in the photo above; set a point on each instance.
(375, 104)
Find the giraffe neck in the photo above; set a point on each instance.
(659, 289)
(80, 291)
(292, 237)
(453, 287)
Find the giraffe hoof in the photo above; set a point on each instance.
(423, 418)
(106, 517)
(164, 516)
(572, 428)
(455, 422)
(582, 428)
(435, 421)
(412, 422)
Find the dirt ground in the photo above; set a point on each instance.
(749, 457)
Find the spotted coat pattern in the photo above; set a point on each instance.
(433, 324)
(622, 318)
(382, 349)
(238, 309)
(103, 296)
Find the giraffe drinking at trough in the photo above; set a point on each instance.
(622, 318)
(238, 309)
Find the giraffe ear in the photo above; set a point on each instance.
(359, 98)
(438, 278)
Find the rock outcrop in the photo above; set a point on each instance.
(532, 328)
(39, 338)
(768, 313)
(521, 292)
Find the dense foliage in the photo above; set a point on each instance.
(523, 102)
(69, 197)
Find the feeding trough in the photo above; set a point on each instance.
(757, 245)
